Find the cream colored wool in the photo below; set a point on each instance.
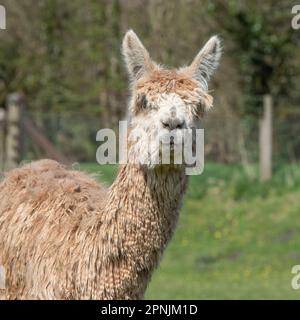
(64, 236)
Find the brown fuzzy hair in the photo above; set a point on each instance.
(65, 236)
(162, 81)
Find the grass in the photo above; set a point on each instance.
(236, 238)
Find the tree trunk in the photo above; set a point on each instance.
(265, 139)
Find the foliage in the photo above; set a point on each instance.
(264, 45)
(61, 54)
(66, 57)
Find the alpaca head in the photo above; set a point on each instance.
(164, 101)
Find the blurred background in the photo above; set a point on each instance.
(62, 79)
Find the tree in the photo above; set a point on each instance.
(264, 46)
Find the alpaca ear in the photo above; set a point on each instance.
(137, 58)
(206, 61)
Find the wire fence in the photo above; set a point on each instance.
(74, 134)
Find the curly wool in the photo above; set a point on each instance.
(64, 236)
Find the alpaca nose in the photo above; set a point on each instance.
(172, 123)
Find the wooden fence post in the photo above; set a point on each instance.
(2, 139)
(265, 139)
(15, 103)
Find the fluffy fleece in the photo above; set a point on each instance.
(61, 240)
(64, 236)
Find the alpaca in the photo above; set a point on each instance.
(65, 236)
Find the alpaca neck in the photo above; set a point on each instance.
(139, 218)
(147, 199)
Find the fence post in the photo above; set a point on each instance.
(2, 138)
(265, 139)
(15, 103)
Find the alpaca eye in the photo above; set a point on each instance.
(165, 125)
(143, 102)
(200, 109)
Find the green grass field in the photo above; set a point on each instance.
(236, 238)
